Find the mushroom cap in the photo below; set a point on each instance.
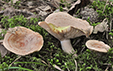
(63, 19)
(97, 46)
(62, 25)
(22, 41)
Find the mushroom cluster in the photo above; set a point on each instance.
(64, 27)
(22, 41)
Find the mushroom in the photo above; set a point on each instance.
(97, 46)
(64, 27)
(22, 41)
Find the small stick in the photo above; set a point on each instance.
(111, 19)
(67, 67)
(82, 49)
(107, 68)
(77, 2)
(57, 67)
(15, 60)
(105, 6)
(75, 65)
(45, 62)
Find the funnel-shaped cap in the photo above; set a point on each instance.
(64, 26)
(22, 41)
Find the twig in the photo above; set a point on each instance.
(111, 3)
(73, 6)
(77, 42)
(75, 65)
(54, 4)
(45, 63)
(105, 6)
(57, 67)
(3, 1)
(107, 68)
(82, 49)
(15, 60)
(111, 19)
(67, 67)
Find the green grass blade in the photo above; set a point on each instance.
(31, 62)
(18, 68)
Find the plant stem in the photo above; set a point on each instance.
(19, 56)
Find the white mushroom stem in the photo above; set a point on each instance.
(67, 47)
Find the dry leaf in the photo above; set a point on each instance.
(56, 3)
(14, 1)
(41, 13)
(68, 1)
(8, 11)
(45, 8)
(78, 4)
(3, 50)
(103, 26)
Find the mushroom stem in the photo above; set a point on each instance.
(67, 47)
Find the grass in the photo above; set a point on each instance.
(51, 54)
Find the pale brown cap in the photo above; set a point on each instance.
(97, 46)
(22, 41)
(70, 27)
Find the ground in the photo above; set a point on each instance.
(28, 13)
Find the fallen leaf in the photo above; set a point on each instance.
(78, 4)
(103, 26)
(56, 3)
(45, 8)
(3, 50)
(8, 11)
(68, 1)
(42, 13)
(14, 1)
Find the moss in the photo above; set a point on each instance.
(51, 53)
